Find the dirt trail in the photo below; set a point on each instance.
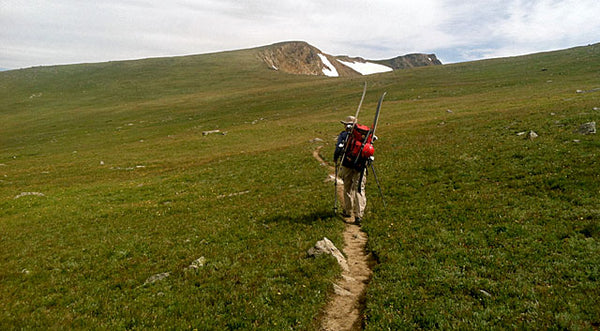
(344, 310)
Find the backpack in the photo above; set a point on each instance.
(357, 155)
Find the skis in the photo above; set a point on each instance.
(360, 103)
(376, 120)
(369, 139)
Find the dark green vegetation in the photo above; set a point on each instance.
(484, 228)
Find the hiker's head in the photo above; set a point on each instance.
(349, 122)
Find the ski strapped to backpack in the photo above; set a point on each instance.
(367, 150)
(359, 146)
(351, 129)
(337, 165)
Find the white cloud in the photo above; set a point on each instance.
(38, 32)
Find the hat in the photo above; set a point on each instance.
(349, 120)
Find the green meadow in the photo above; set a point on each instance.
(107, 180)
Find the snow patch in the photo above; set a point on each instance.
(366, 68)
(328, 70)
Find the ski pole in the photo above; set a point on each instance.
(378, 186)
(335, 189)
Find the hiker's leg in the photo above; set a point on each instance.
(360, 198)
(347, 176)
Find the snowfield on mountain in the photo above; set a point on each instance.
(366, 68)
(363, 68)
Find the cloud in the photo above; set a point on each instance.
(521, 27)
(42, 32)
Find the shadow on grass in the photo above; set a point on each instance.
(311, 218)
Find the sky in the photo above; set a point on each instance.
(50, 32)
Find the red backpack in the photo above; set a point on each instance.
(356, 155)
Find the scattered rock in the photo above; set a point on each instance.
(24, 194)
(587, 128)
(155, 278)
(316, 140)
(257, 120)
(449, 111)
(199, 262)
(532, 135)
(325, 246)
(485, 293)
(588, 91)
(521, 133)
(232, 194)
(206, 133)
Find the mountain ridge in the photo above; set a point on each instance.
(301, 58)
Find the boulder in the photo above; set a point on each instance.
(325, 246)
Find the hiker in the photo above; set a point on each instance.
(355, 199)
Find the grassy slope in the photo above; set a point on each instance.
(484, 228)
(487, 229)
(133, 189)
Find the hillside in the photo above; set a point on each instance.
(304, 59)
(117, 212)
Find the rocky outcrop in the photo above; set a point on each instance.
(301, 58)
(411, 61)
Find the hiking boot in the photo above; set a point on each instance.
(357, 220)
(345, 214)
